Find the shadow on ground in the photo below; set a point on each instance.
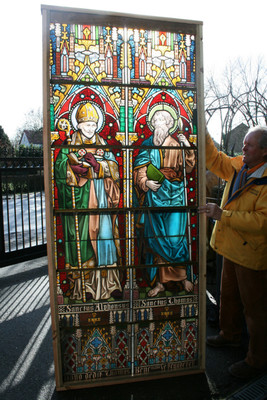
(27, 367)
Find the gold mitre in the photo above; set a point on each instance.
(86, 112)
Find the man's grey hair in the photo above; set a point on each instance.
(263, 136)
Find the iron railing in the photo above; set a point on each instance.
(22, 207)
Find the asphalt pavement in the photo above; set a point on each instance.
(27, 367)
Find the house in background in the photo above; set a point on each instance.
(32, 138)
(234, 141)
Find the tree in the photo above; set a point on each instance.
(33, 122)
(239, 97)
(5, 144)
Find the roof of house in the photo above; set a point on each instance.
(32, 137)
(236, 138)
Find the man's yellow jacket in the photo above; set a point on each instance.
(241, 234)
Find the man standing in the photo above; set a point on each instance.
(240, 236)
(158, 177)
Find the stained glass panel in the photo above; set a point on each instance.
(123, 196)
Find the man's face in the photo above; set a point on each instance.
(161, 129)
(159, 121)
(88, 128)
(252, 153)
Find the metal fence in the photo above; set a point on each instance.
(22, 207)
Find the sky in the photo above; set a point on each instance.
(231, 29)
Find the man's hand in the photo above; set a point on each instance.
(211, 210)
(153, 185)
(90, 159)
(79, 170)
(182, 140)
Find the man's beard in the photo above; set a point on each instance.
(159, 136)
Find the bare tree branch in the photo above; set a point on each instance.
(239, 97)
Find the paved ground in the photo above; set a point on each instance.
(27, 370)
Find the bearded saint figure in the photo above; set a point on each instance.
(159, 182)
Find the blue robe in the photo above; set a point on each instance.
(164, 231)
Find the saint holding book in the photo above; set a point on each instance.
(87, 179)
(159, 181)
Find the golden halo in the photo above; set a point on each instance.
(163, 107)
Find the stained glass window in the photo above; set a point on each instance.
(122, 191)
